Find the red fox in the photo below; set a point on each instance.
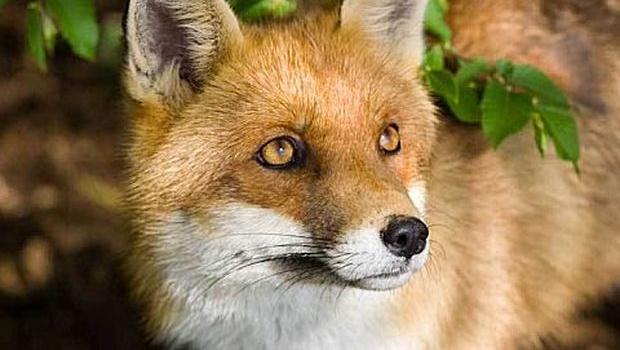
(292, 186)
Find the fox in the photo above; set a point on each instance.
(292, 184)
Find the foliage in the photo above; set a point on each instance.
(34, 35)
(251, 10)
(77, 24)
(75, 21)
(502, 97)
(435, 22)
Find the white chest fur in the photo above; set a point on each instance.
(299, 318)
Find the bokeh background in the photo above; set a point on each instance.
(61, 227)
(61, 161)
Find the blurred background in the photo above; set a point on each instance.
(60, 166)
(61, 228)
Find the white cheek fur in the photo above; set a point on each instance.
(194, 253)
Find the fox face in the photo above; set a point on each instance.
(287, 154)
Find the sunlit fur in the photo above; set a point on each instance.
(519, 245)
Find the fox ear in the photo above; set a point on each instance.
(397, 25)
(173, 46)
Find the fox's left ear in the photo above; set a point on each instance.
(173, 46)
(396, 25)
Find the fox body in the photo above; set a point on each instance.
(292, 186)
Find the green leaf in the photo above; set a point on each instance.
(466, 107)
(443, 84)
(3, 2)
(539, 84)
(444, 5)
(34, 36)
(472, 70)
(77, 24)
(255, 9)
(504, 67)
(434, 59)
(239, 6)
(540, 134)
(434, 21)
(504, 112)
(50, 33)
(562, 127)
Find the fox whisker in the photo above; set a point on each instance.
(263, 259)
(273, 234)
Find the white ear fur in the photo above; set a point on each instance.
(173, 45)
(397, 25)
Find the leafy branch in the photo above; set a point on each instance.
(502, 97)
(75, 21)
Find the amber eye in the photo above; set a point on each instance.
(280, 153)
(389, 142)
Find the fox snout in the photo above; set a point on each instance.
(382, 252)
(405, 236)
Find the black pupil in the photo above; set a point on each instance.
(390, 137)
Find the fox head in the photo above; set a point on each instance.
(293, 152)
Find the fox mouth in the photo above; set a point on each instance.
(386, 275)
(384, 281)
(326, 274)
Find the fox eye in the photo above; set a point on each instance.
(280, 153)
(389, 141)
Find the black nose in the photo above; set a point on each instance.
(405, 236)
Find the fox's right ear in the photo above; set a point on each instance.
(174, 45)
(395, 25)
